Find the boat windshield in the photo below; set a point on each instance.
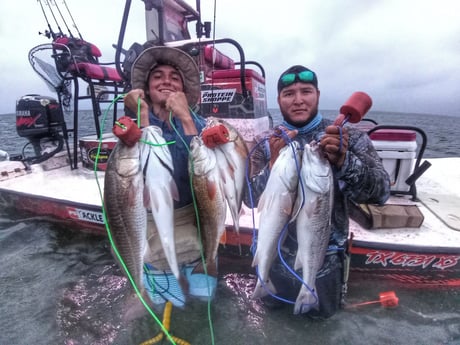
(175, 25)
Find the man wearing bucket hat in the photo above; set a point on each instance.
(166, 82)
(358, 174)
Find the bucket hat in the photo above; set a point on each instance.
(184, 63)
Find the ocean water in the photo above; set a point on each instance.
(59, 286)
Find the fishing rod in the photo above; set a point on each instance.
(49, 33)
(62, 18)
(54, 17)
(71, 17)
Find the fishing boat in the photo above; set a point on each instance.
(60, 172)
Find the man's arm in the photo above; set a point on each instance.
(362, 177)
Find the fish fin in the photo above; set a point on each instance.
(211, 188)
(299, 203)
(255, 260)
(287, 203)
(146, 196)
(174, 191)
(298, 262)
(311, 205)
(262, 290)
(261, 203)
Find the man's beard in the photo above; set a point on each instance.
(299, 124)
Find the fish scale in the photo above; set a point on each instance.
(232, 157)
(276, 205)
(125, 211)
(161, 190)
(313, 223)
(210, 201)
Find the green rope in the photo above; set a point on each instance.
(109, 233)
(211, 328)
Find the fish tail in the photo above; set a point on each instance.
(262, 290)
(184, 284)
(211, 268)
(306, 301)
(134, 308)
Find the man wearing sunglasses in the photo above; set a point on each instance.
(359, 176)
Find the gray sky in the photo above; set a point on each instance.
(405, 54)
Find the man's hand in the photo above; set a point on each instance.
(277, 141)
(131, 100)
(335, 145)
(178, 105)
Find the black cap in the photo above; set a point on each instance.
(297, 76)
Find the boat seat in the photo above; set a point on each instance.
(77, 60)
(236, 73)
(81, 59)
(216, 59)
(96, 71)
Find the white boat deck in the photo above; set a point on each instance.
(78, 185)
(439, 192)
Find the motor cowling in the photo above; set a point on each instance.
(38, 116)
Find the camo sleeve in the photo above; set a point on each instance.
(362, 178)
(259, 172)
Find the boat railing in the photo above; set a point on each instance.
(76, 60)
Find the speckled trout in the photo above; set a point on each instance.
(276, 207)
(313, 223)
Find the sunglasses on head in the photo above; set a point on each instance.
(304, 76)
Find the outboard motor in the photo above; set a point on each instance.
(41, 121)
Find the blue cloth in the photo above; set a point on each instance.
(163, 286)
(179, 153)
(315, 122)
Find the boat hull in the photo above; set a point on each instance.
(81, 217)
(427, 256)
(414, 266)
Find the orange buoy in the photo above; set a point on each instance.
(127, 131)
(215, 135)
(354, 109)
(387, 299)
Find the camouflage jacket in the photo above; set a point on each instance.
(361, 179)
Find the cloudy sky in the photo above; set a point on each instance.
(405, 54)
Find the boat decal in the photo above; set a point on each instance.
(218, 96)
(86, 215)
(102, 155)
(26, 119)
(385, 259)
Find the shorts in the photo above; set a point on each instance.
(163, 286)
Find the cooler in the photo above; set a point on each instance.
(89, 146)
(397, 148)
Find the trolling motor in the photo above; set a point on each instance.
(40, 120)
